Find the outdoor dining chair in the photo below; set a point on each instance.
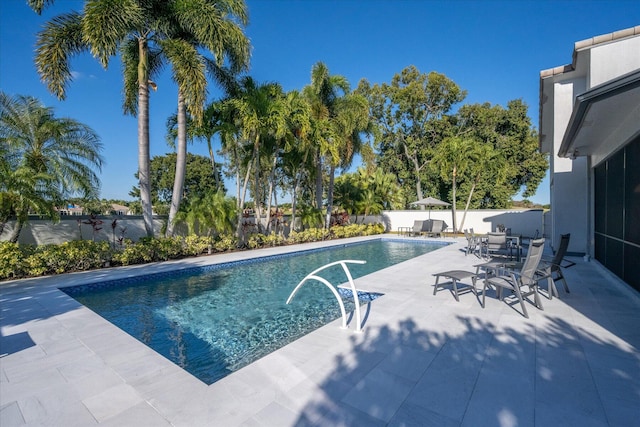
(495, 243)
(553, 267)
(472, 243)
(528, 276)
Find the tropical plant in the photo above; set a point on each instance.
(142, 31)
(261, 114)
(44, 160)
(322, 94)
(211, 215)
(452, 158)
(218, 29)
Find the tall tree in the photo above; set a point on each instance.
(296, 158)
(137, 29)
(45, 159)
(351, 118)
(410, 114)
(451, 159)
(516, 165)
(323, 92)
(198, 178)
(223, 36)
(261, 114)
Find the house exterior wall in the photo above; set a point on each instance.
(612, 60)
(569, 183)
(591, 196)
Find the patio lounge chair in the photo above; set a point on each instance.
(528, 276)
(417, 228)
(553, 267)
(437, 228)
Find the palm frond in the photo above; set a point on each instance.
(61, 38)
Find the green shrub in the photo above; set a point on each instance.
(11, 261)
(166, 248)
(255, 240)
(273, 239)
(137, 253)
(17, 261)
(197, 245)
(77, 255)
(225, 242)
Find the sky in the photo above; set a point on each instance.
(494, 50)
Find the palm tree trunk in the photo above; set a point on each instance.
(239, 232)
(453, 204)
(143, 138)
(213, 162)
(181, 165)
(466, 206)
(15, 233)
(294, 201)
(256, 197)
(272, 176)
(330, 197)
(318, 180)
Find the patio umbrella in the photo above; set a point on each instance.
(430, 201)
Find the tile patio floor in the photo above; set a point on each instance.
(422, 360)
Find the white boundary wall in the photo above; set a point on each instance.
(524, 222)
(40, 231)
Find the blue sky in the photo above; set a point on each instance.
(493, 49)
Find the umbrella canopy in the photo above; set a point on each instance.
(430, 201)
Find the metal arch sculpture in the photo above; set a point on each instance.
(354, 291)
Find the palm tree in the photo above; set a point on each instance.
(261, 115)
(44, 158)
(188, 69)
(322, 93)
(351, 118)
(295, 157)
(486, 164)
(142, 31)
(452, 157)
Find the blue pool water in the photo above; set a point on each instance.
(214, 320)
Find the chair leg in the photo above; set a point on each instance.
(519, 295)
(564, 282)
(435, 287)
(536, 296)
(455, 289)
(551, 286)
(484, 292)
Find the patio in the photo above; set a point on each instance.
(422, 359)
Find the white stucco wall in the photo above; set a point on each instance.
(612, 60)
(524, 222)
(569, 183)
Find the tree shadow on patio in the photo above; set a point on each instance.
(479, 373)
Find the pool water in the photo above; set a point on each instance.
(214, 320)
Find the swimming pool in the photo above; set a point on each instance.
(214, 320)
